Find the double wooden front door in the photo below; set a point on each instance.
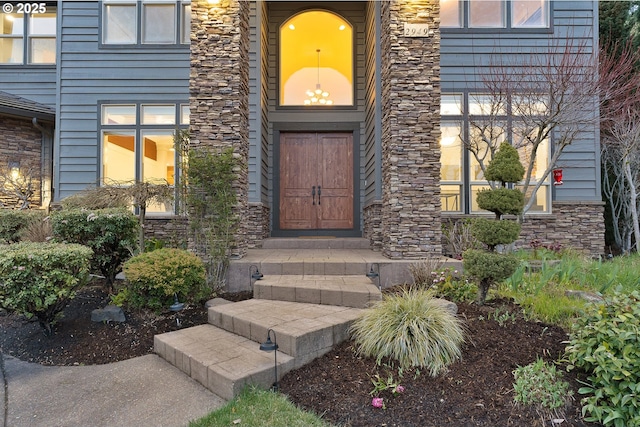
(316, 181)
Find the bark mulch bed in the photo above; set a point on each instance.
(476, 391)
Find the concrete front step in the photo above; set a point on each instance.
(315, 242)
(346, 291)
(303, 331)
(219, 360)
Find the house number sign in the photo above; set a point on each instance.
(416, 30)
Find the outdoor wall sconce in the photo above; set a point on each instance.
(176, 307)
(557, 177)
(373, 274)
(254, 276)
(14, 169)
(269, 345)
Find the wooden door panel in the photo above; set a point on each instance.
(297, 176)
(323, 161)
(336, 175)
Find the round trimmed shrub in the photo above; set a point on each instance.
(110, 233)
(39, 279)
(493, 232)
(488, 268)
(152, 279)
(605, 343)
(501, 201)
(505, 165)
(412, 328)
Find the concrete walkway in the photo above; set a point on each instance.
(143, 392)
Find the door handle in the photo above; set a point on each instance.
(313, 194)
(319, 193)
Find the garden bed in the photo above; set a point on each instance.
(477, 391)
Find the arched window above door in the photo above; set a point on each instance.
(316, 60)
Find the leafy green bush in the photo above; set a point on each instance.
(13, 222)
(501, 201)
(605, 344)
(413, 328)
(487, 268)
(38, 279)
(491, 267)
(505, 165)
(492, 232)
(152, 279)
(110, 233)
(452, 285)
(541, 386)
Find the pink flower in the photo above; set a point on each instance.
(399, 389)
(377, 402)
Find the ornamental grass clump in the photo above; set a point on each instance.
(412, 328)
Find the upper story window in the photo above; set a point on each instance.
(316, 60)
(494, 14)
(147, 22)
(28, 34)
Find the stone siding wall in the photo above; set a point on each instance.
(411, 223)
(219, 90)
(576, 225)
(20, 142)
(257, 224)
(172, 230)
(372, 229)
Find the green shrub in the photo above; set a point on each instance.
(505, 166)
(605, 344)
(491, 267)
(450, 284)
(152, 279)
(38, 279)
(541, 386)
(493, 232)
(501, 201)
(488, 268)
(413, 328)
(13, 222)
(110, 233)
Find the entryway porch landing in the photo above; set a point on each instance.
(328, 257)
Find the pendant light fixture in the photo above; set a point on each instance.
(318, 96)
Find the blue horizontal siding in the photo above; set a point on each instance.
(467, 54)
(90, 74)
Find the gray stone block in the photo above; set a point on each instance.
(111, 313)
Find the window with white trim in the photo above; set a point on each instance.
(137, 144)
(147, 22)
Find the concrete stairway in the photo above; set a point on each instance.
(309, 308)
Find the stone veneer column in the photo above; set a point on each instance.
(219, 89)
(410, 131)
